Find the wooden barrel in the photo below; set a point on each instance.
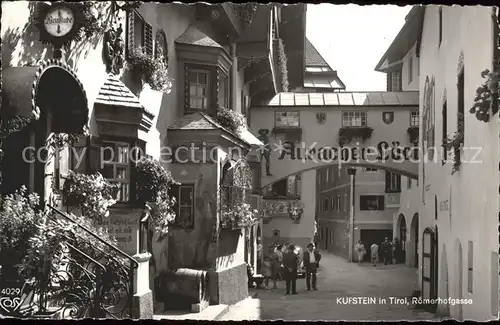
(185, 287)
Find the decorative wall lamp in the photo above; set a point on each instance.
(295, 211)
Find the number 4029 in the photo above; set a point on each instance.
(10, 291)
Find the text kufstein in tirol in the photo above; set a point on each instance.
(383, 151)
(400, 301)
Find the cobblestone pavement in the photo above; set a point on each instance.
(338, 279)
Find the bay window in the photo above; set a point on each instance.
(198, 81)
(223, 95)
(115, 167)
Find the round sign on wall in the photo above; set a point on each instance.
(59, 21)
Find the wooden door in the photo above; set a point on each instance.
(428, 267)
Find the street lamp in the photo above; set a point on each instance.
(352, 181)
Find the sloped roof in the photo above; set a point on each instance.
(403, 98)
(410, 33)
(193, 36)
(115, 93)
(313, 58)
(201, 121)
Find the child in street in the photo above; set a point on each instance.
(267, 271)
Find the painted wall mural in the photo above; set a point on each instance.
(428, 134)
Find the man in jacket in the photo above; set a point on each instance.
(386, 248)
(290, 261)
(311, 261)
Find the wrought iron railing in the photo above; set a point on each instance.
(94, 280)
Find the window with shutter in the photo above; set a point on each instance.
(139, 33)
(148, 39)
(161, 46)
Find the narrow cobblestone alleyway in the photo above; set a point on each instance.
(337, 279)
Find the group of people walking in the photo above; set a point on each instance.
(386, 252)
(283, 263)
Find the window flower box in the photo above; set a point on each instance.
(413, 132)
(346, 134)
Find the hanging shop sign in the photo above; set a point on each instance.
(59, 23)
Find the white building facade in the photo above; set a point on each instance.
(453, 212)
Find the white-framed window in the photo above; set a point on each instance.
(327, 175)
(414, 118)
(325, 205)
(409, 184)
(354, 118)
(338, 203)
(184, 204)
(116, 167)
(333, 203)
(198, 81)
(392, 182)
(287, 119)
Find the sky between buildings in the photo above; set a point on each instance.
(352, 39)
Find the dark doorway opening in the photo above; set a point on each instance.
(370, 236)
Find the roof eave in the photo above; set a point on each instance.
(411, 19)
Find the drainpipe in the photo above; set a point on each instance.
(352, 182)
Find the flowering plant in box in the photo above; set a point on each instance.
(92, 194)
(230, 119)
(239, 216)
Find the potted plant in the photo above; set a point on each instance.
(346, 134)
(487, 96)
(153, 184)
(150, 70)
(231, 120)
(19, 214)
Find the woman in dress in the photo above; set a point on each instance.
(273, 259)
(361, 251)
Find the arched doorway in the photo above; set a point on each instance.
(401, 231)
(414, 234)
(52, 93)
(459, 275)
(429, 268)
